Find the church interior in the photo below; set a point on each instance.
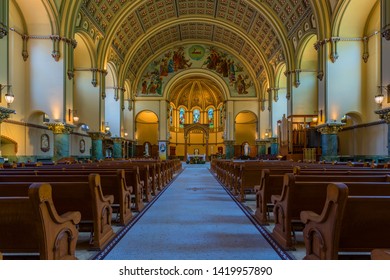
(194, 83)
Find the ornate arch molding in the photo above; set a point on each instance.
(196, 126)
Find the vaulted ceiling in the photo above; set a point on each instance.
(134, 31)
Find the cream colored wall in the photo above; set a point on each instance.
(370, 140)
(86, 96)
(112, 113)
(345, 83)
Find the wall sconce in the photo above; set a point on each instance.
(107, 127)
(267, 133)
(75, 116)
(380, 97)
(9, 96)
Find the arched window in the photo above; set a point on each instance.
(171, 115)
(182, 118)
(210, 117)
(196, 116)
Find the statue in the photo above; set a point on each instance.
(246, 149)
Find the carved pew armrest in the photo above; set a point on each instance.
(72, 216)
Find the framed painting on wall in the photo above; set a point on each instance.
(82, 146)
(45, 143)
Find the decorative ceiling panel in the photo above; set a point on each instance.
(198, 7)
(196, 31)
(290, 12)
(156, 11)
(238, 12)
(242, 14)
(125, 36)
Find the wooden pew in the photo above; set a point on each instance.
(380, 254)
(271, 183)
(85, 197)
(351, 224)
(309, 196)
(112, 182)
(32, 225)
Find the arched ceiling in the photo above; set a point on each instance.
(139, 30)
(196, 92)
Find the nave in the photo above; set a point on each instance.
(194, 218)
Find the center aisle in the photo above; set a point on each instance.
(194, 219)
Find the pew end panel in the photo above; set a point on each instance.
(317, 237)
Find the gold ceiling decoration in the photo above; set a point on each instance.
(196, 92)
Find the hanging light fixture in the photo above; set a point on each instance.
(380, 97)
(9, 96)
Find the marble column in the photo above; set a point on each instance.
(329, 141)
(97, 145)
(274, 145)
(61, 139)
(117, 147)
(229, 148)
(262, 146)
(384, 114)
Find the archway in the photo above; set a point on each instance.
(146, 134)
(245, 134)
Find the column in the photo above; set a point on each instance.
(117, 147)
(262, 147)
(274, 145)
(97, 145)
(384, 114)
(61, 139)
(229, 148)
(329, 143)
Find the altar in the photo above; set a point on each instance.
(201, 157)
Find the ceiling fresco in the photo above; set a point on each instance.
(245, 27)
(210, 58)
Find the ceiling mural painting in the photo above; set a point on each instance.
(210, 58)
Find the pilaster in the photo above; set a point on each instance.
(61, 133)
(97, 144)
(329, 139)
(117, 147)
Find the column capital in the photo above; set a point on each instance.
(330, 128)
(384, 114)
(97, 135)
(5, 113)
(60, 128)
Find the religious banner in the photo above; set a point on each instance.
(162, 150)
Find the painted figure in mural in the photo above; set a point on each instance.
(179, 60)
(144, 87)
(232, 72)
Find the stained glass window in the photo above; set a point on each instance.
(182, 117)
(196, 115)
(210, 117)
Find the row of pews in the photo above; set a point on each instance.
(43, 209)
(343, 209)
